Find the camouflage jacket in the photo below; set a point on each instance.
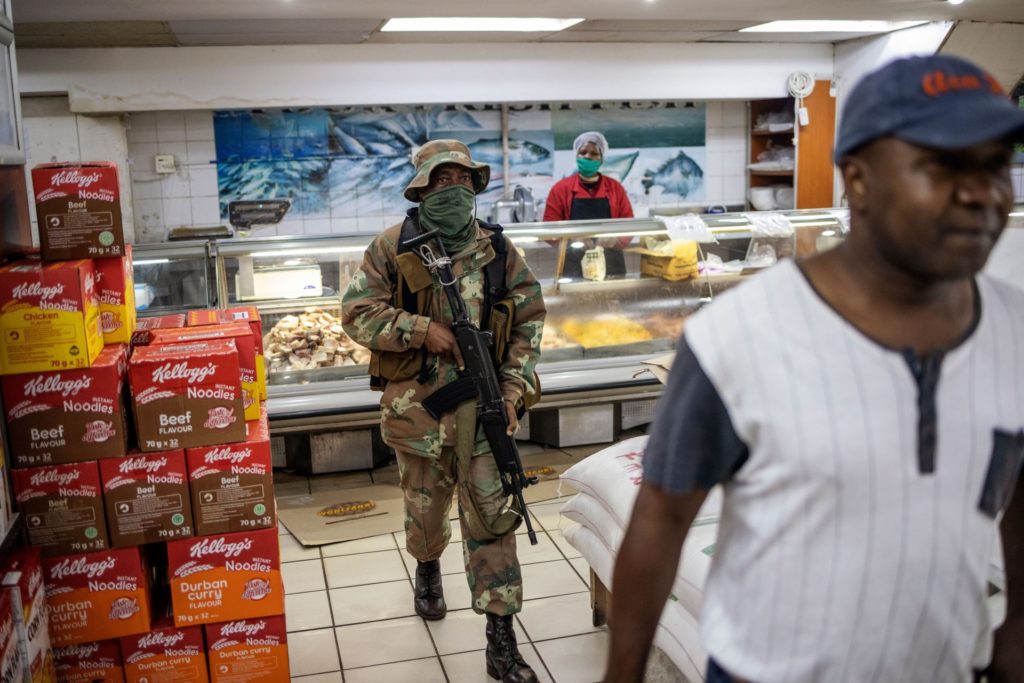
(370, 317)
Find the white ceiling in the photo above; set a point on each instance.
(107, 23)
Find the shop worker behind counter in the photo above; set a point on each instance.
(414, 353)
(863, 409)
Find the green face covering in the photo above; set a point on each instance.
(587, 167)
(450, 211)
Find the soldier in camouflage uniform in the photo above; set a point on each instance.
(446, 183)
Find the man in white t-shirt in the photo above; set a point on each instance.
(863, 410)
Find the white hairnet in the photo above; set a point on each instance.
(591, 136)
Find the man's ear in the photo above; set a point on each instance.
(855, 173)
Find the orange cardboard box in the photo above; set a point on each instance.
(115, 289)
(96, 596)
(90, 663)
(166, 655)
(248, 651)
(21, 576)
(225, 577)
(238, 314)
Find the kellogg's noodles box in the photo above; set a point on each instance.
(21, 576)
(115, 289)
(63, 507)
(238, 314)
(49, 316)
(67, 416)
(89, 663)
(147, 498)
(187, 395)
(166, 655)
(248, 651)
(13, 667)
(225, 577)
(96, 596)
(78, 206)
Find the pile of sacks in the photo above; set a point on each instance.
(608, 482)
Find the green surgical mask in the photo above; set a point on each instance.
(587, 167)
(450, 211)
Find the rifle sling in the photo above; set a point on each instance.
(465, 443)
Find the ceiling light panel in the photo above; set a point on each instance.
(450, 24)
(827, 26)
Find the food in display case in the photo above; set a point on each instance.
(313, 339)
(605, 331)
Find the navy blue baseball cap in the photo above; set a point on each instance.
(940, 101)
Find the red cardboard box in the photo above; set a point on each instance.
(247, 314)
(147, 498)
(78, 206)
(115, 289)
(166, 654)
(187, 395)
(49, 316)
(89, 663)
(142, 326)
(63, 507)
(233, 484)
(96, 596)
(22, 577)
(55, 418)
(225, 577)
(248, 651)
(12, 659)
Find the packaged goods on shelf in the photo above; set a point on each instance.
(96, 596)
(115, 289)
(240, 333)
(98, 662)
(248, 651)
(225, 577)
(233, 484)
(21, 575)
(79, 210)
(63, 507)
(166, 654)
(12, 659)
(147, 498)
(187, 395)
(67, 416)
(49, 316)
(238, 314)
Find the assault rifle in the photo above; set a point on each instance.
(478, 380)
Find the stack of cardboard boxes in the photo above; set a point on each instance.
(142, 459)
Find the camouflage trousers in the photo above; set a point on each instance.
(492, 568)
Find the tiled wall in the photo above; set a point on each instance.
(725, 171)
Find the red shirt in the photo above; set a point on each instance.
(560, 197)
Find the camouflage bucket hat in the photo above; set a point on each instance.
(437, 152)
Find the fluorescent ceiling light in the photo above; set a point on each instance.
(151, 262)
(828, 26)
(449, 24)
(306, 251)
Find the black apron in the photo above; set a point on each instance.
(587, 209)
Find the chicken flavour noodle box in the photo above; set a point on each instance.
(63, 507)
(79, 210)
(67, 416)
(248, 651)
(166, 655)
(90, 663)
(147, 498)
(187, 395)
(49, 316)
(115, 290)
(21, 576)
(12, 658)
(238, 314)
(96, 596)
(225, 577)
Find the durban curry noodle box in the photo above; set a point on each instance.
(63, 507)
(90, 662)
(238, 314)
(248, 651)
(187, 395)
(66, 416)
(79, 210)
(21, 576)
(115, 290)
(166, 654)
(97, 596)
(225, 577)
(49, 316)
(147, 498)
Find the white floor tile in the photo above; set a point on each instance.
(307, 611)
(333, 677)
(550, 578)
(565, 615)
(579, 659)
(302, 577)
(382, 642)
(312, 652)
(419, 670)
(456, 591)
(582, 568)
(358, 570)
(471, 667)
(451, 559)
(544, 551)
(332, 482)
(378, 601)
(363, 545)
(463, 631)
(567, 549)
(293, 551)
(549, 515)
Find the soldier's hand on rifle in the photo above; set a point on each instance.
(441, 341)
(513, 419)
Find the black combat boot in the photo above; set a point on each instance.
(429, 595)
(504, 663)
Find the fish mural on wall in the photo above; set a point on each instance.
(680, 175)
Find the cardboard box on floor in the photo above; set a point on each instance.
(90, 663)
(248, 651)
(21, 576)
(166, 654)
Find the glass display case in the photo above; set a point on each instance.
(174, 277)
